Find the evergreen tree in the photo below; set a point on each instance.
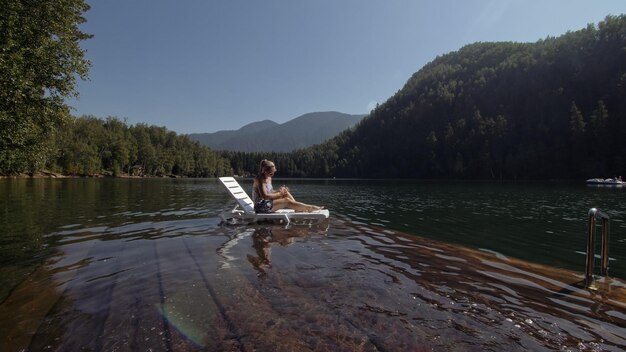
(577, 140)
(577, 124)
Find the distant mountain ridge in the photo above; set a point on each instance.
(267, 136)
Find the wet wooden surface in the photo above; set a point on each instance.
(343, 287)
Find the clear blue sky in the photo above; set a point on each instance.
(207, 65)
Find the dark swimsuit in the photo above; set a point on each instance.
(263, 206)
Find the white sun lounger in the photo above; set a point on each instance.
(245, 208)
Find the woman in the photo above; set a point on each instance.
(266, 200)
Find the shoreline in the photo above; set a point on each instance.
(49, 174)
(54, 175)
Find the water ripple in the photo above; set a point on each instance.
(162, 274)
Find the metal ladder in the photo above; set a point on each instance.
(595, 214)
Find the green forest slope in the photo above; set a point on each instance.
(551, 109)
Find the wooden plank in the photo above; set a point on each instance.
(187, 305)
(84, 304)
(134, 323)
(264, 317)
(24, 310)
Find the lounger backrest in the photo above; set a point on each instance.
(240, 195)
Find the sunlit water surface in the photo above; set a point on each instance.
(121, 265)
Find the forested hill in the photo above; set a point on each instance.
(551, 109)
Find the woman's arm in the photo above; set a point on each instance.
(272, 195)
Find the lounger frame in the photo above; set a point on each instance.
(244, 210)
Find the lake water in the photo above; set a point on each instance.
(125, 265)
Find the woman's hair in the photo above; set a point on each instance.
(263, 167)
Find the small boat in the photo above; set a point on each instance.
(612, 182)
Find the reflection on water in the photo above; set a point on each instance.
(165, 275)
(190, 285)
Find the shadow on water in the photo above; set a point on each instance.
(189, 285)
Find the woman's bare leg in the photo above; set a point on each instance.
(290, 203)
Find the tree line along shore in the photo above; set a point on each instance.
(553, 109)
